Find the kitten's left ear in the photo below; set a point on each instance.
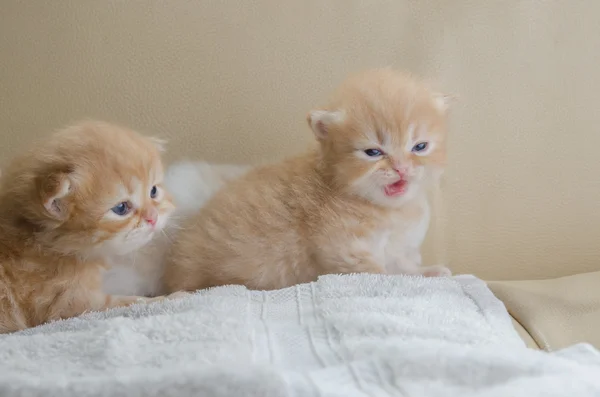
(160, 143)
(321, 120)
(53, 190)
(443, 101)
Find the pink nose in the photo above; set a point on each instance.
(401, 171)
(150, 216)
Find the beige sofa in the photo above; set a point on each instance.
(232, 81)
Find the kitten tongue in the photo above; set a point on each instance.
(396, 188)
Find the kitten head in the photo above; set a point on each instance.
(91, 189)
(382, 136)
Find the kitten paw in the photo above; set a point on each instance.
(178, 295)
(435, 271)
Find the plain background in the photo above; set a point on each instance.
(232, 81)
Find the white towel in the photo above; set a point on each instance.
(353, 335)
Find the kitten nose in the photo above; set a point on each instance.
(401, 171)
(400, 166)
(150, 215)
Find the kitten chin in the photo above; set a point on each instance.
(357, 203)
(140, 272)
(190, 184)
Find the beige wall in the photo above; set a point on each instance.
(232, 82)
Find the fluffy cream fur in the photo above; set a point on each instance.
(90, 191)
(357, 203)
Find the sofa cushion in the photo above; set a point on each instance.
(556, 313)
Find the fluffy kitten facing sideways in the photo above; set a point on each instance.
(357, 203)
(88, 192)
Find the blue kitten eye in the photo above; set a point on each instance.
(373, 152)
(419, 147)
(121, 208)
(153, 192)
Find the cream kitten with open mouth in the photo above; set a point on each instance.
(356, 203)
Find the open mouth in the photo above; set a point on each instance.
(396, 188)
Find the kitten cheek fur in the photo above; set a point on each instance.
(72, 210)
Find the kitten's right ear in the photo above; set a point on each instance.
(443, 101)
(321, 120)
(53, 191)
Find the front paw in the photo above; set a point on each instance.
(435, 271)
(178, 295)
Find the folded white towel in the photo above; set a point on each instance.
(353, 335)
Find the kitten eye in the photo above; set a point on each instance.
(153, 192)
(373, 152)
(419, 147)
(121, 208)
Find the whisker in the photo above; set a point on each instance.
(167, 236)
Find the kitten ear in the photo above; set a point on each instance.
(53, 190)
(443, 101)
(321, 120)
(159, 143)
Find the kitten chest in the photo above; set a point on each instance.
(402, 241)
